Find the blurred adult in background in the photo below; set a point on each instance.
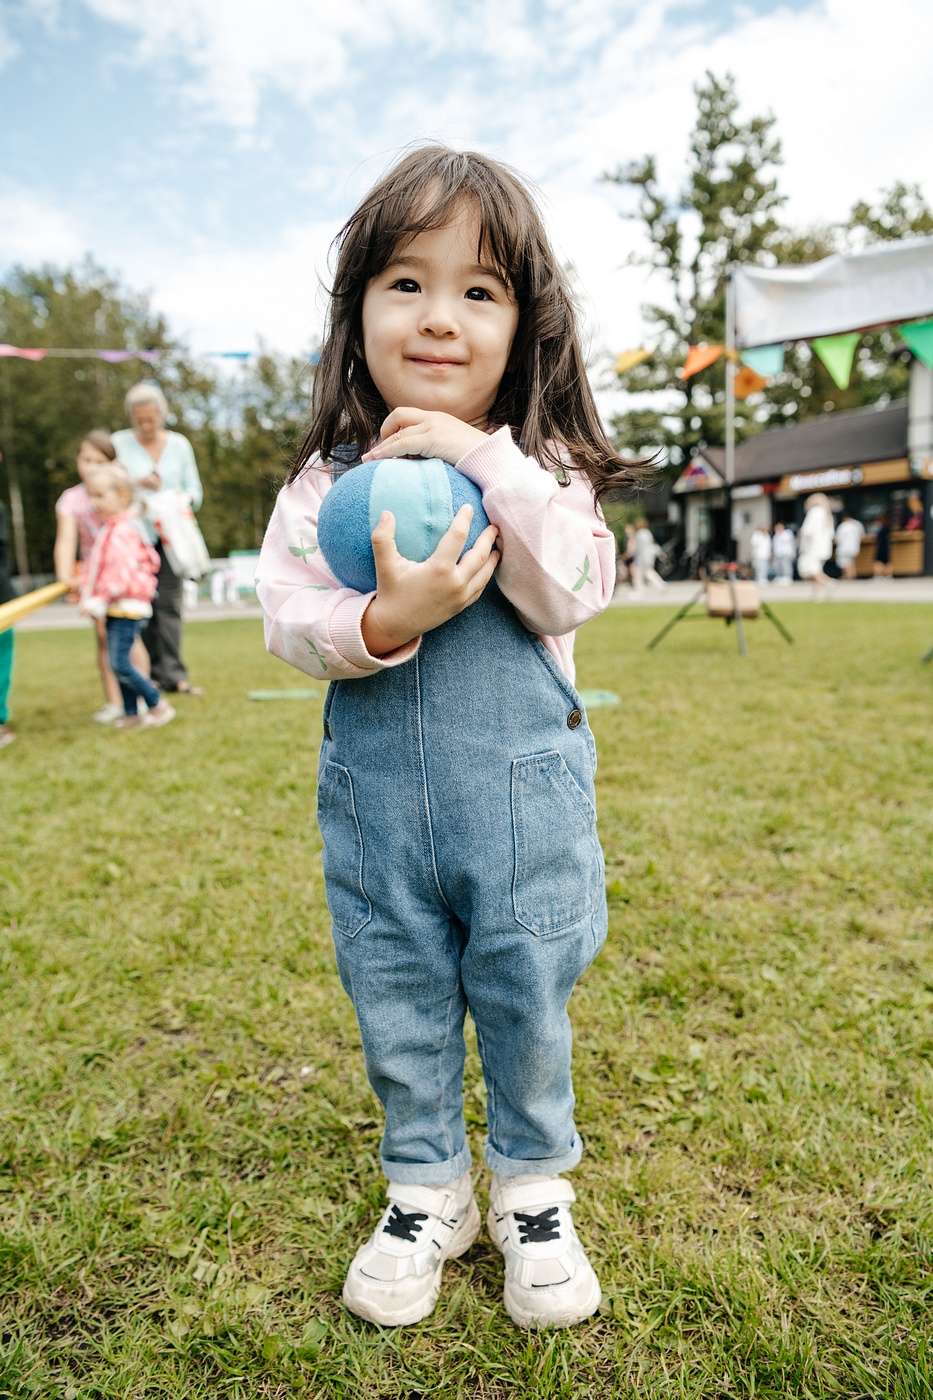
(160, 460)
(816, 541)
(6, 638)
(849, 535)
(645, 553)
(760, 547)
(914, 517)
(784, 552)
(882, 567)
(78, 525)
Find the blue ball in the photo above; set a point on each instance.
(424, 495)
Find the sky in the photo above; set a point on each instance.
(207, 151)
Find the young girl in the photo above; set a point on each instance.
(77, 527)
(119, 584)
(455, 790)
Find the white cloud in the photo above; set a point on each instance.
(36, 229)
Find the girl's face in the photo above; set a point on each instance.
(107, 498)
(89, 457)
(438, 326)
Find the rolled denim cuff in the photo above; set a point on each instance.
(541, 1166)
(428, 1173)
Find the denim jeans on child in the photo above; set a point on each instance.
(463, 872)
(121, 634)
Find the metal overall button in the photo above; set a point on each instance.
(574, 719)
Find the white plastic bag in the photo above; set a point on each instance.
(173, 520)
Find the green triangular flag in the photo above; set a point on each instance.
(766, 360)
(837, 353)
(919, 341)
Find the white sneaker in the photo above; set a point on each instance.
(549, 1282)
(395, 1277)
(160, 714)
(107, 714)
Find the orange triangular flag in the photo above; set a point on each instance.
(700, 357)
(748, 381)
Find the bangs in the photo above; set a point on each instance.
(426, 192)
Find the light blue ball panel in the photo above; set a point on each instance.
(419, 496)
(423, 495)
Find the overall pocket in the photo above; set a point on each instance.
(342, 855)
(558, 864)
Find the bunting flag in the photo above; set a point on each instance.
(111, 356)
(767, 360)
(630, 358)
(7, 350)
(837, 353)
(919, 341)
(700, 357)
(748, 381)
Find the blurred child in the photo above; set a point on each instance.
(78, 525)
(119, 585)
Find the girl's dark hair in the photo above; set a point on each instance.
(544, 396)
(100, 438)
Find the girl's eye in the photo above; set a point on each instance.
(405, 284)
(479, 294)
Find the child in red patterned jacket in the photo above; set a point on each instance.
(119, 584)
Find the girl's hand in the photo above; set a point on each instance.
(152, 482)
(413, 432)
(414, 598)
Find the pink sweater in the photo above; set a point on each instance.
(557, 567)
(120, 578)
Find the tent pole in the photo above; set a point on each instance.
(730, 400)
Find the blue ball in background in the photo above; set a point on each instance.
(423, 494)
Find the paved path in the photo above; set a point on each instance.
(866, 590)
(899, 590)
(56, 616)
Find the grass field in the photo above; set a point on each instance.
(188, 1147)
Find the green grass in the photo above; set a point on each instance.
(188, 1147)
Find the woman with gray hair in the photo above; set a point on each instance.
(160, 460)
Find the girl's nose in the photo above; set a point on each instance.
(439, 318)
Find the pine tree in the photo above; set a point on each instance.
(728, 212)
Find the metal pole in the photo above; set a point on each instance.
(730, 397)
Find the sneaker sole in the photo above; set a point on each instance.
(463, 1237)
(517, 1304)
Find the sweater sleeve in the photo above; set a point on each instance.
(190, 478)
(558, 555)
(311, 620)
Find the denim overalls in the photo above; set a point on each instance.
(463, 871)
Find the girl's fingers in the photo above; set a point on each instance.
(383, 539)
(478, 552)
(450, 545)
(400, 444)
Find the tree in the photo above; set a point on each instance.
(248, 436)
(728, 212)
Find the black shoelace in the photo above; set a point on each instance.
(538, 1229)
(402, 1226)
